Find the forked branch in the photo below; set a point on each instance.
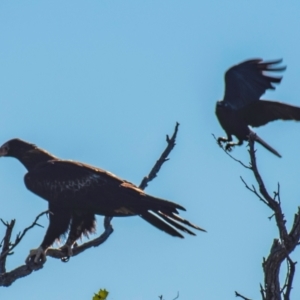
(281, 247)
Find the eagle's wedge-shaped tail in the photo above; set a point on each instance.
(167, 222)
(164, 215)
(264, 144)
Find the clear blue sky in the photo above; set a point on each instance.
(103, 82)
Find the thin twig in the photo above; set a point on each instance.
(271, 217)
(21, 235)
(241, 296)
(262, 292)
(277, 194)
(227, 152)
(253, 190)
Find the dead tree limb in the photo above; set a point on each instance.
(6, 244)
(281, 247)
(163, 158)
(7, 278)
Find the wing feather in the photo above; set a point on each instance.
(246, 82)
(261, 112)
(59, 176)
(86, 187)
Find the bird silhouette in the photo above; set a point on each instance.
(76, 192)
(241, 107)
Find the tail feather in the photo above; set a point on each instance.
(163, 215)
(167, 222)
(175, 224)
(160, 224)
(161, 204)
(182, 220)
(267, 146)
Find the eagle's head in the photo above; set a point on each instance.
(28, 154)
(16, 148)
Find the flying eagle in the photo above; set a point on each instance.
(245, 83)
(76, 192)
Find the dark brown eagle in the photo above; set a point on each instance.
(76, 192)
(245, 83)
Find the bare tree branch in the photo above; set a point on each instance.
(7, 278)
(176, 296)
(274, 205)
(282, 247)
(163, 158)
(253, 190)
(5, 244)
(8, 246)
(290, 278)
(20, 235)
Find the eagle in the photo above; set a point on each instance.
(241, 107)
(76, 192)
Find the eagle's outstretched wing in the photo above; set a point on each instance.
(262, 112)
(247, 82)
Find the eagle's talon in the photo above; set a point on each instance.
(65, 259)
(67, 249)
(229, 147)
(36, 256)
(221, 140)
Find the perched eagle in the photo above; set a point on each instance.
(76, 192)
(245, 83)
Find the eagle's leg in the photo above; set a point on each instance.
(81, 223)
(67, 249)
(230, 145)
(222, 140)
(70, 243)
(58, 225)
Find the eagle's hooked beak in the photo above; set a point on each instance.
(3, 150)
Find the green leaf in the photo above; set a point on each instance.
(102, 295)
